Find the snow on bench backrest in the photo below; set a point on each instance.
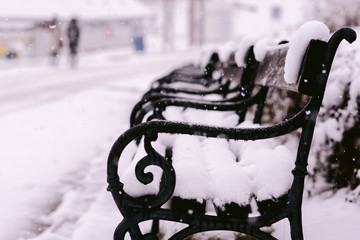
(272, 69)
(293, 66)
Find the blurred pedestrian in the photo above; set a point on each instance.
(138, 38)
(57, 42)
(73, 34)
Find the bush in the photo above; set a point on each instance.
(335, 13)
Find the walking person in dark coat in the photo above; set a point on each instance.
(73, 34)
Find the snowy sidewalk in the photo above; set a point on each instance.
(58, 125)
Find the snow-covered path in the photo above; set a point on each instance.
(57, 126)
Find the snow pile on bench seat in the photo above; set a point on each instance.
(192, 180)
(214, 118)
(272, 176)
(221, 170)
(228, 181)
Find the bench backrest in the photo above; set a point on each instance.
(240, 77)
(271, 69)
(311, 79)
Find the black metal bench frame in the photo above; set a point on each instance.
(205, 83)
(312, 81)
(156, 102)
(191, 74)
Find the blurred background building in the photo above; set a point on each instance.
(160, 24)
(197, 22)
(24, 25)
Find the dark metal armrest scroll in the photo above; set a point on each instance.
(152, 158)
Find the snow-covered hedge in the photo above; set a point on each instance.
(335, 156)
(334, 160)
(334, 13)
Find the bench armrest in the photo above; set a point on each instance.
(233, 104)
(151, 130)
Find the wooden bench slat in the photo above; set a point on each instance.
(271, 70)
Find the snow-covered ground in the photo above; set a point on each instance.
(57, 126)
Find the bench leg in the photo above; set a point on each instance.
(132, 229)
(155, 226)
(120, 232)
(296, 226)
(262, 235)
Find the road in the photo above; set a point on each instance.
(25, 87)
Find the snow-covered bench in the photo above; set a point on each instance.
(236, 85)
(180, 166)
(191, 74)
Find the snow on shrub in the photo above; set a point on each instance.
(333, 161)
(338, 116)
